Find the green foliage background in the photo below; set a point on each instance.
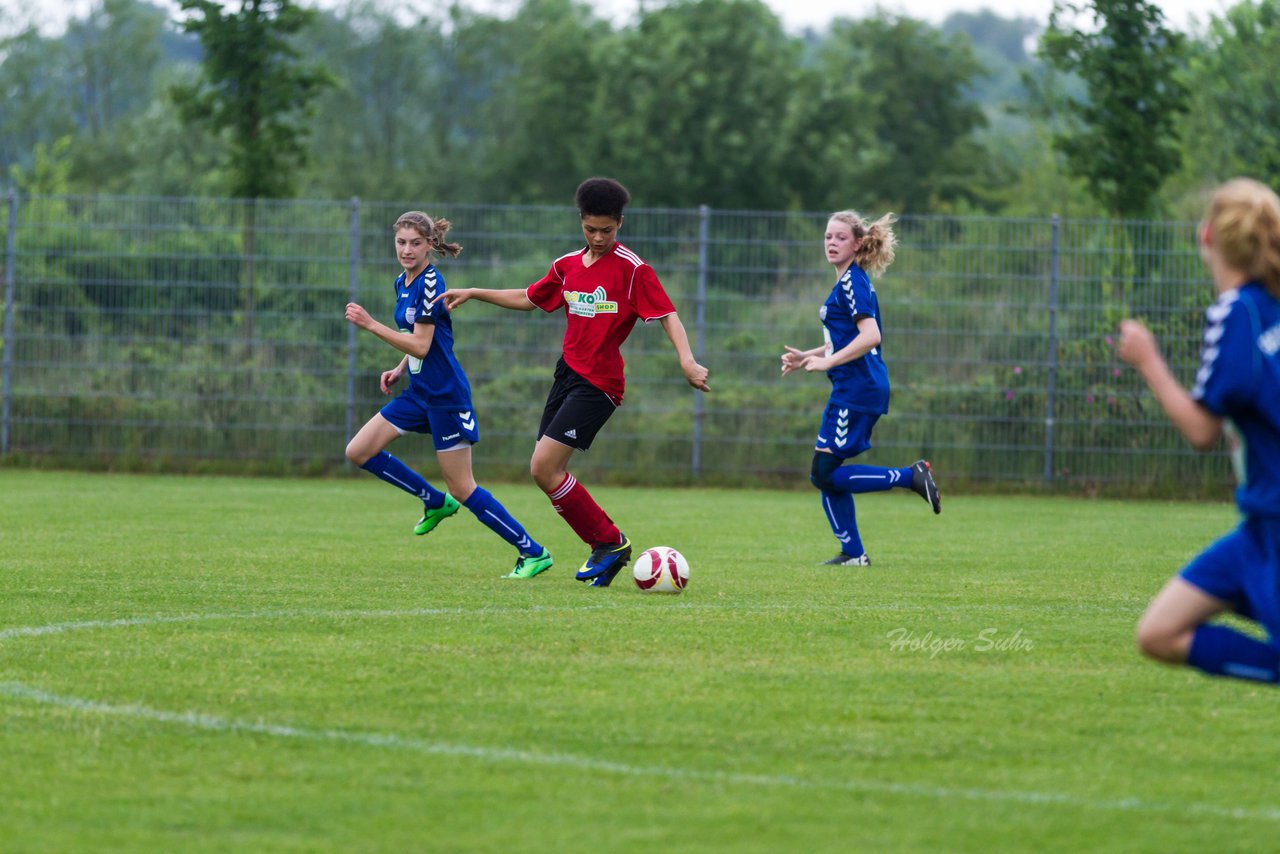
(692, 102)
(139, 343)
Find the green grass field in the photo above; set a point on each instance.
(213, 664)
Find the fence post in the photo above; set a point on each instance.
(10, 278)
(700, 335)
(1052, 360)
(353, 294)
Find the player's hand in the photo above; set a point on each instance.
(388, 379)
(1136, 346)
(453, 298)
(357, 315)
(696, 375)
(816, 363)
(792, 360)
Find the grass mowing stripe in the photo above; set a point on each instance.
(158, 620)
(888, 607)
(392, 741)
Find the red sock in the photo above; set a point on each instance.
(576, 506)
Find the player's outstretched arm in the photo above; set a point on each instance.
(1137, 346)
(512, 298)
(693, 372)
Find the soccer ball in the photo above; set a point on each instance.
(661, 569)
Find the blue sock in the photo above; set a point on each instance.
(396, 473)
(859, 479)
(495, 516)
(844, 522)
(1226, 652)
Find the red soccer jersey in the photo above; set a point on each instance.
(602, 303)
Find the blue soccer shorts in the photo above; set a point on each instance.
(449, 428)
(845, 432)
(1243, 568)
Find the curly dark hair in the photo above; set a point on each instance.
(601, 197)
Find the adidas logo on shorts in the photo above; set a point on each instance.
(571, 434)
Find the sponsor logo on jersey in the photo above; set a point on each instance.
(589, 304)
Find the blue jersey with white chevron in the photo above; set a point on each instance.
(1239, 379)
(438, 380)
(862, 384)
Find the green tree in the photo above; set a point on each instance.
(909, 84)
(542, 119)
(384, 118)
(116, 50)
(689, 104)
(35, 91)
(117, 57)
(254, 88)
(1123, 134)
(1000, 44)
(1233, 123)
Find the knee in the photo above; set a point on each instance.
(820, 473)
(460, 487)
(1158, 642)
(546, 475)
(357, 453)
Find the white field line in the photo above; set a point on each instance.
(391, 741)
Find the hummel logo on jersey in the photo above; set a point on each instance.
(571, 434)
(589, 304)
(1268, 342)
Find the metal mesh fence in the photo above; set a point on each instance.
(204, 334)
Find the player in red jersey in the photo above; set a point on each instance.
(604, 288)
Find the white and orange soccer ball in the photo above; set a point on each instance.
(661, 569)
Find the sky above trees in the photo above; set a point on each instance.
(795, 14)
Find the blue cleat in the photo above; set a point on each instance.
(606, 561)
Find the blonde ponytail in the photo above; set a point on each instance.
(878, 247)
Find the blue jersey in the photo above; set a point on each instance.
(1239, 379)
(862, 384)
(438, 380)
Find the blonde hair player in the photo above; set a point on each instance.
(1236, 388)
(852, 358)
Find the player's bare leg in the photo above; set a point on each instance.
(1166, 629)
